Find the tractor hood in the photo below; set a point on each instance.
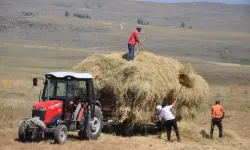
(48, 104)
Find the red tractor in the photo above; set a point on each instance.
(68, 103)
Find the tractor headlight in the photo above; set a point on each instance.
(42, 109)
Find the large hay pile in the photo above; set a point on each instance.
(138, 86)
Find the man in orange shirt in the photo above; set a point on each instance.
(217, 110)
(134, 38)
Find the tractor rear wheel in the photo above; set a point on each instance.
(93, 127)
(61, 134)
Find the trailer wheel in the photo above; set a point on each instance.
(61, 134)
(92, 129)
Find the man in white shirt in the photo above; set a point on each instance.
(167, 118)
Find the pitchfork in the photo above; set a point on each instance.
(139, 48)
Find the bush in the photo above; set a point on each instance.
(82, 16)
(190, 27)
(87, 6)
(28, 13)
(87, 16)
(183, 24)
(99, 6)
(66, 14)
(142, 22)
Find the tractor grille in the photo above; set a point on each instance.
(39, 113)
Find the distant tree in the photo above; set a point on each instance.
(82, 16)
(66, 13)
(139, 21)
(87, 6)
(28, 13)
(183, 24)
(99, 5)
(87, 16)
(142, 22)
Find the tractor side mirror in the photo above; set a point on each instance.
(34, 81)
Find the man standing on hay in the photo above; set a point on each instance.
(168, 120)
(217, 109)
(134, 38)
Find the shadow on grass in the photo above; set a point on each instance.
(125, 130)
(131, 130)
(125, 56)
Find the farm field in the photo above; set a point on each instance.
(31, 46)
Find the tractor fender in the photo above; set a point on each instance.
(61, 122)
(80, 109)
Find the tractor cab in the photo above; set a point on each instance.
(68, 103)
(62, 93)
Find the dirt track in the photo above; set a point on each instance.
(107, 142)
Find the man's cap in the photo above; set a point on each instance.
(158, 107)
(138, 28)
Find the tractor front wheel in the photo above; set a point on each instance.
(61, 134)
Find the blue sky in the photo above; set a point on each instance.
(219, 1)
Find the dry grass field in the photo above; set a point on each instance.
(221, 57)
(18, 95)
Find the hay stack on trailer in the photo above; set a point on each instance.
(138, 86)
